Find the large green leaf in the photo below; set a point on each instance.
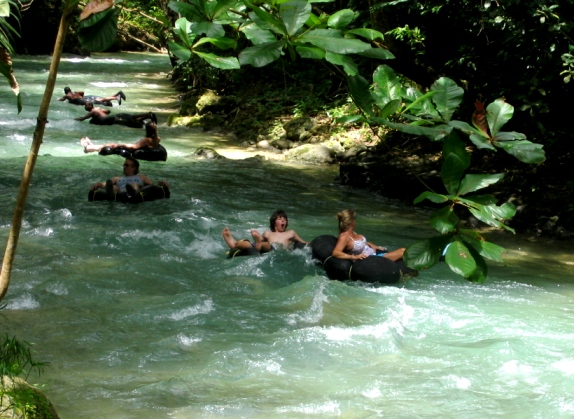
(332, 40)
(524, 150)
(387, 85)
(347, 62)
(223, 63)
(4, 8)
(190, 11)
(498, 113)
(311, 52)
(509, 136)
(367, 33)
(261, 55)
(98, 32)
(377, 54)
(341, 18)
(294, 14)
(481, 142)
(257, 35)
(472, 183)
(460, 260)
(481, 272)
(390, 108)
(425, 253)
(221, 43)
(266, 20)
(493, 215)
(455, 161)
(448, 97)
(467, 128)
(435, 133)
(361, 94)
(221, 7)
(209, 29)
(431, 196)
(486, 249)
(182, 29)
(444, 220)
(180, 51)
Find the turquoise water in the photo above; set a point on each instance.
(141, 316)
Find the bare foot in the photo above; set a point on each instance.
(257, 238)
(231, 242)
(85, 142)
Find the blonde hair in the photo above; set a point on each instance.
(346, 218)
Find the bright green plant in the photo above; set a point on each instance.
(16, 360)
(274, 29)
(389, 102)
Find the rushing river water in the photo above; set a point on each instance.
(141, 316)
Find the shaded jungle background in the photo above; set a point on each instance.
(521, 51)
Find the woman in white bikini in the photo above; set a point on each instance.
(353, 246)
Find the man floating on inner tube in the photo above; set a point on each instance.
(132, 187)
(278, 237)
(101, 116)
(147, 148)
(78, 98)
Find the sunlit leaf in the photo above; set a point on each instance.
(341, 19)
(472, 183)
(332, 40)
(459, 259)
(467, 128)
(179, 51)
(387, 85)
(448, 97)
(223, 63)
(425, 253)
(377, 54)
(525, 151)
(480, 142)
(209, 29)
(498, 113)
(294, 14)
(221, 43)
(367, 33)
(431, 196)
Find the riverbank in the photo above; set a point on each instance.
(394, 166)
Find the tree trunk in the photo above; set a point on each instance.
(14, 234)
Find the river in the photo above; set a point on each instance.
(140, 315)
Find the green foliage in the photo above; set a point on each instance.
(274, 30)
(98, 32)
(515, 49)
(16, 358)
(7, 31)
(430, 115)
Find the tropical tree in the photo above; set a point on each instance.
(391, 103)
(97, 32)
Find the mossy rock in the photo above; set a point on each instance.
(20, 400)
